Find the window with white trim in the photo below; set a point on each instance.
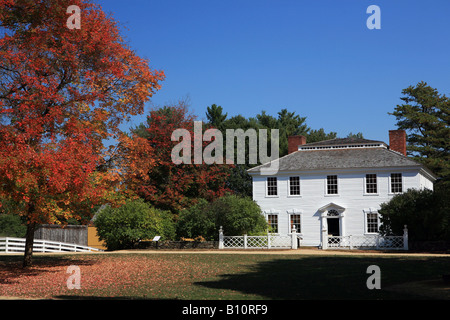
(396, 183)
(372, 222)
(272, 220)
(294, 186)
(371, 183)
(332, 184)
(272, 186)
(296, 221)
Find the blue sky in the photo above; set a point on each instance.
(317, 58)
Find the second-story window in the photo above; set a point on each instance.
(396, 183)
(332, 184)
(294, 186)
(371, 183)
(272, 187)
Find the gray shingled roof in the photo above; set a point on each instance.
(341, 141)
(324, 159)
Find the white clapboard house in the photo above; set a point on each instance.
(335, 187)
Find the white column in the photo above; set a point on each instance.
(341, 224)
(294, 238)
(220, 238)
(405, 238)
(324, 230)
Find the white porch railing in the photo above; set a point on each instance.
(269, 241)
(376, 242)
(18, 245)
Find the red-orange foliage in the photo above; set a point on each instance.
(62, 92)
(176, 186)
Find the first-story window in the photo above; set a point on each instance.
(295, 221)
(272, 188)
(272, 220)
(372, 222)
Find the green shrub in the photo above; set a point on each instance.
(195, 221)
(11, 225)
(237, 216)
(425, 212)
(123, 227)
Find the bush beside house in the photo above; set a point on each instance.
(425, 212)
(237, 216)
(124, 227)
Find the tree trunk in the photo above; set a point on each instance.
(29, 240)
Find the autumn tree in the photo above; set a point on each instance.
(62, 92)
(175, 186)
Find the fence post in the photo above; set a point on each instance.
(405, 238)
(6, 245)
(324, 239)
(245, 241)
(294, 238)
(220, 238)
(268, 240)
(350, 242)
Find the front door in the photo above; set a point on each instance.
(333, 227)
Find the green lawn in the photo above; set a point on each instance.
(224, 276)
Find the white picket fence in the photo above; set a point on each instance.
(366, 242)
(11, 245)
(269, 241)
(373, 242)
(289, 241)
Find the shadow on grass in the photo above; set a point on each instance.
(11, 266)
(120, 298)
(331, 277)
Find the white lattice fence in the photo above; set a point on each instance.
(233, 242)
(269, 241)
(372, 241)
(391, 242)
(256, 242)
(367, 242)
(280, 241)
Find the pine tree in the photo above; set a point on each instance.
(425, 116)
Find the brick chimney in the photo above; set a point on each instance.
(397, 141)
(294, 142)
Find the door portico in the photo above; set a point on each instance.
(332, 221)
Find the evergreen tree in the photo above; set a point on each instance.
(425, 117)
(215, 116)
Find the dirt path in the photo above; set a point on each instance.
(302, 251)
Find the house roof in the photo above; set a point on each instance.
(343, 141)
(341, 154)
